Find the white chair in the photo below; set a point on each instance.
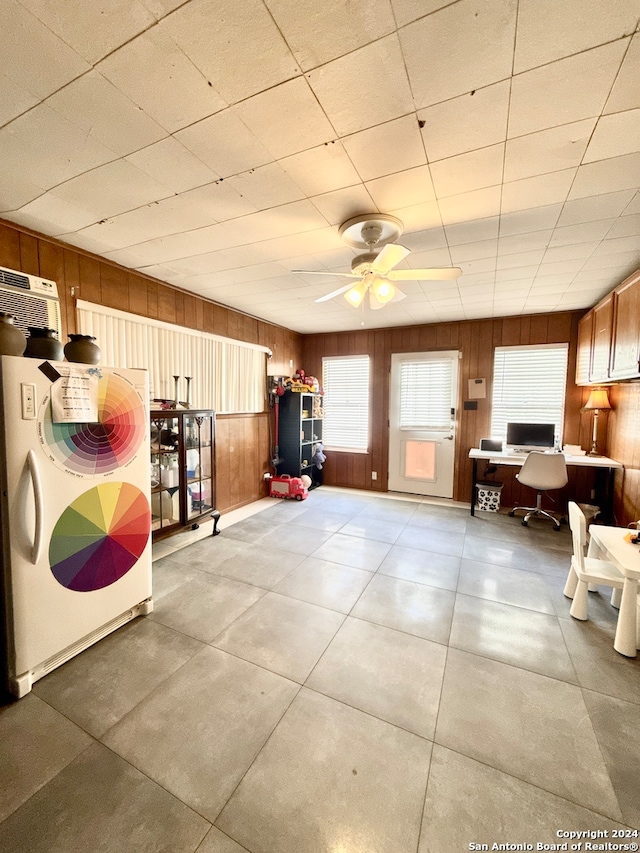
(541, 471)
(586, 570)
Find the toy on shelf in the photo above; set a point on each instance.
(318, 457)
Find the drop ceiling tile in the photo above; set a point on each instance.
(430, 258)
(547, 151)
(479, 204)
(570, 267)
(225, 144)
(583, 232)
(289, 133)
(558, 282)
(467, 172)
(524, 242)
(614, 136)
(595, 207)
(406, 11)
(474, 251)
(520, 259)
(388, 148)
(513, 287)
(625, 226)
(617, 246)
(237, 46)
(488, 279)
(15, 99)
(340, 205)
(111, 189)
(364, 88)
(534, 219)
(321, 170)
(580, 86)
(480, 52)
(308, 242)
(174, 247)
(548, 30)
(284, 221)
(33, 56)
(625, 94)
(523, 274)
(607, 176)
(16, 189)
(404, 189)
(266, 186)
(540, 191)
(471, 232)
(418, 217)
(615, 261)
(634, 205)
(473, 120)
(425, 241)
(478, 266)
(572, 251)
(52, 215)
(320, 32)
(67, 152)
(158, 76)
(102, 112)
(173, 165)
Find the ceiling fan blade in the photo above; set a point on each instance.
(443, 274)
(327, 272)
(337, 292)
(391, 255)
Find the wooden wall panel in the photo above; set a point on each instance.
(622, 425)
(243, 443)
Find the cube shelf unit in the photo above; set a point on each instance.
(301, 421)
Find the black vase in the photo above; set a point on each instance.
(81, 349)
(43, 343)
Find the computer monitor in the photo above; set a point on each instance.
(530, 436)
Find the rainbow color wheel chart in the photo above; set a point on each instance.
(92, 449)
(100, 536)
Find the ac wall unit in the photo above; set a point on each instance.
(32, 300)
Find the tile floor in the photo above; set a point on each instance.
(350, 674)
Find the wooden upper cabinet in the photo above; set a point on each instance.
(625, 346)
(601, 346)
(583, 355)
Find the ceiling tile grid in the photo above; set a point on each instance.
(219, 146)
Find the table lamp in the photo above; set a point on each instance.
(598, 400)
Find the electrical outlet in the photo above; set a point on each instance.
(374, 475)
(266, 476)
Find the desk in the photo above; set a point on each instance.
(517, 460)
(608, 543)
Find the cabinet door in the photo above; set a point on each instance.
(583, 356)
(602, 328)
(625, 350)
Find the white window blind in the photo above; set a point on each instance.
(226, 375)
(346, 402)
(529, 386)
(425, 396)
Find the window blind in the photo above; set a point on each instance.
(346, 402)
(425, 394)
(226, 375)
(529, 386)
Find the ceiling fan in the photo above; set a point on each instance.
(374, 271)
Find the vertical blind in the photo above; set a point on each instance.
(226, 375)
(529, 386)
(425, 394)
(346, 402)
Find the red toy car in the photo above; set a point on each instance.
(286, 486)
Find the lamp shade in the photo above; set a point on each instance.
(598, 399)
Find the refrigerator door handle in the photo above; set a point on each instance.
(37, 494)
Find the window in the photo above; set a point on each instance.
(346, 402)
(425, 394)
(529, 386)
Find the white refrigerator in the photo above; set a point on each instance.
(76, 521)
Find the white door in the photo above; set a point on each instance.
(422, 409)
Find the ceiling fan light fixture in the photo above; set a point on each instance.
(382, 289)
(355, 295)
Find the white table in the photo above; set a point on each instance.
(608, 543)
(602, 463)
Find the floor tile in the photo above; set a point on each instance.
(99, 802)
(397, 511)
(217, 842)
(296, 539)
(169, 574)
(500, 553)
(226, 708)
(512, 635)
(425, 516)
(470, 802)
(326, 584)
(391, 675)
(281, 634)
(36, 742)
(331, 778)
(373, 529)
(353, 551)
(407, 606)
(509, 586)
(250, 530)
(259, 566)
(431, 539)
(211, 552)
(133, 660)
(320, 519)
(617, 727)
(527, 725)
(205, 606)
(439, 570)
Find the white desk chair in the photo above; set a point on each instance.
(586, 570)
(541, 471)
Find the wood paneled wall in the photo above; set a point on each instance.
(623, 443)
(476, 341)
(242, 442)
